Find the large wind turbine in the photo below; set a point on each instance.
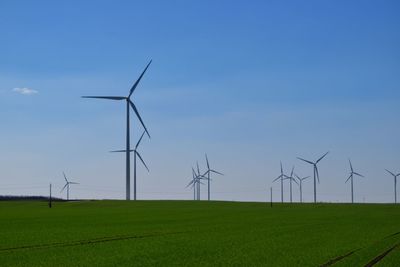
(128, 147)
(67, 183)
(281, 177)
(316, 174)
(136, 154)
(301, 186)
(208, 172)
(395, 184)
(352, 173)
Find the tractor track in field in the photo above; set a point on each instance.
(373, 261)
(86, 241)
(381, 256)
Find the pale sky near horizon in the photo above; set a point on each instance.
(250, 83)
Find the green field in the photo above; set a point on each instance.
(188, 233)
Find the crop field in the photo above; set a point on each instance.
(194, 233)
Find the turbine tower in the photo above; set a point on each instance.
(129, 103)
(291, 178)
(301, 185)
(208, 172)
(316, 174)
(281, 177)
(352, 173)
(67, 183)
(135, 155)
(395, 184)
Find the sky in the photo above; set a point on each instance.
(250, 83)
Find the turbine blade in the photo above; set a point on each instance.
(138, 115)
(63, 188)
(140, 139)
(216, 172)
(123, 150)
(348, 179)
(138, 80)
(295, 181)
(356, 173)
(305, 177)
(140, 157)
(351, 166)
(198, 169)
(305, 160)
(281, 168)
(208, 165)
(390, 172)
(276, 179)
(322, 157)
(65, 177)
(316, 170)
(191, 182)
(106, 97)
(291, 174)
(73, 183)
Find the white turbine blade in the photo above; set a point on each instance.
(348, 179)
(118, 151)
(140, 157)
(73, 183)
(276, 179)
(106, 97)
(305, 178)
(295, 181)
(216, 172)
(140, 139)
(138, 80)
(322, 157)
(198, 168)
(208, 165)
(305, 160)
(356, 173)
(63, 188)
(316, 170)
(291, 174)
(191, 182)
(138, 116)
(65, 177)
(390, 172)
(351, 166)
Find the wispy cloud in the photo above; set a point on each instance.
(25, 91)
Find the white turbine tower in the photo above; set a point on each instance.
(395, 184)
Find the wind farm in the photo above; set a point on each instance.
(199, 133)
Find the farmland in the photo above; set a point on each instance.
(197, 233)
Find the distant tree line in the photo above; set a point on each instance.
(38, 198)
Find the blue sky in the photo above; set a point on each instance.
(250, 83)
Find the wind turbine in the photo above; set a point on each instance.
(132, 105)
(301, 186)
(281, 177)
(316, 174)
(67, 183)
(352, 173)
(208, 172)
(136, 154)
(291, 178)
(395, 184)
(194, 183)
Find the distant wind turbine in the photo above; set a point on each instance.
(316, 174)
(67, 183)
(208, 172)
(195, 183)
(291, 178)
(301, 186)
(352, 173)
(281, 177)
(129, 103)
(135, 155)
(395, 184)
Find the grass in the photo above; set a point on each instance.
(187, 233)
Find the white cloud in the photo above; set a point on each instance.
(25, 91)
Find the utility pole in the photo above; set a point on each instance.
(50, 197)
(271, 197)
